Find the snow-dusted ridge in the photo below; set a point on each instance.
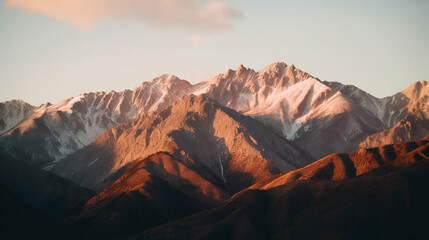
(321, 117)
(52, 132)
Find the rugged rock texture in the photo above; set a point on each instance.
(160, 153)
(226, 148)
(406, 114)
(12, 113)
(320, 117)
(411, 127)
(55, 131)
(387, 203)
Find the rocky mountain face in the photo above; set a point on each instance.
(243, 144)
(321, 202)
(53, 132)
(12, 113)
(226, 148)
(406, 114)
(320, 117)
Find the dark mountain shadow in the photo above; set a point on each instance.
(43, 191)
(388, 153)
(20, 221)
(349, 167)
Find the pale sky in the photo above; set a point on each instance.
(54, 49)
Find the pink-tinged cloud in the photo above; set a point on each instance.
(196, 40)
(200, 15)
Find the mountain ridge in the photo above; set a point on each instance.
(291, 102)
(369, 206)
(207, 137)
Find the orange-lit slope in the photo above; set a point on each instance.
(155, 190)
(226, 148)
(341, 166)
(389, 202)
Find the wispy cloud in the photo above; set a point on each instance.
(196, 15)
(196, 40)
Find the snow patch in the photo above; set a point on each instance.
(69, 104)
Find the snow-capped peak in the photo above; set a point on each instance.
(294, 103)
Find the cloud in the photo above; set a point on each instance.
(196, 40)
(196, 15)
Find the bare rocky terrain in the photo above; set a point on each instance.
(226, 148)
(268, 154)
(299, 107)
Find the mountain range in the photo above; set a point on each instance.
(292, 103)
(222, 158)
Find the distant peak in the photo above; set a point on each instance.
(274, 67)
(243, 70)
(418, 85)
(45, 105)
(164, 78)
(167, 80)
(422, 83)
(277, 65)
(229, 73)
(16, 101)
(417, 89)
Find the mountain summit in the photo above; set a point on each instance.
(321, 117)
